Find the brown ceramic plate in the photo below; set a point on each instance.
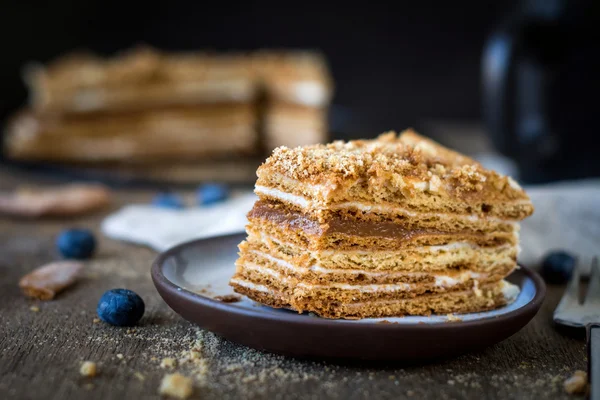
(190, 276)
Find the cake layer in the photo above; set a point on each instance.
(342, 234)
(291, 280)
(139, 79)
(142, 136)
(318, 275)
(462, 301)
(382, 265)
(311, 198)
(144, 77)
(410, 171)
(381, 214)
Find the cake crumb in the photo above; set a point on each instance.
(34, 308)
(577, 383)
(176, 385)
(96, 320)
(120, 356)
(168, 362)
(45, 282)
(88, 368)
(230, 298)
(453, 318)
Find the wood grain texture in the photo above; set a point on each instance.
(41, 352)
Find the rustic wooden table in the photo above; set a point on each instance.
(41, 351)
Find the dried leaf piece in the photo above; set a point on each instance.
(45, 282)
(64, 200)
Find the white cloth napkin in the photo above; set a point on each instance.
(161, 228)
(567, 217)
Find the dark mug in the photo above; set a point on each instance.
(541, 89)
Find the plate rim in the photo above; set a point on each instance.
(162, 282)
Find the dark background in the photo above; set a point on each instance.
(395, 65)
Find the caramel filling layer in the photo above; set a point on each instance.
(297, 220)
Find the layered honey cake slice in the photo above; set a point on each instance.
(399, 225)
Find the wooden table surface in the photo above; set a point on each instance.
(41, 352)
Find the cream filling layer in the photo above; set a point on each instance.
(306, 203)
(509, 291)
(253, 286)
(440, 281)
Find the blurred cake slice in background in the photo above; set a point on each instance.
(297, 89)
(148, 106)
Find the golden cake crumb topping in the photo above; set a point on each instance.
(392, 161)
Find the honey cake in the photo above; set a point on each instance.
(398, 225)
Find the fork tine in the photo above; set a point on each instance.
(593, 292)
(571, 296)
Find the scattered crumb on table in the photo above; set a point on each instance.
(168, 362)
(453, 318)
(34, 308)
(96, 320)
(230, 298)
(577, 383)
(88, 368)
(120, 356)
(176, 385)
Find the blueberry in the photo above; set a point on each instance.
(212, 193)
(120, 307)
(76, 243)
(168, 200)
(558, 266)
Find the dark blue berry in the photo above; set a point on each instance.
(168, 200)
(76, 243)
(120, 307)
(558, 266)
(212, 193)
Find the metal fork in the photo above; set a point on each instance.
(571, 312)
